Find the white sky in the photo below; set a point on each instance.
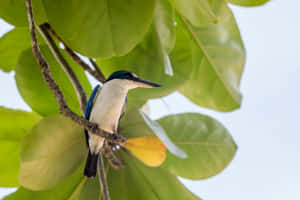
(267, 163)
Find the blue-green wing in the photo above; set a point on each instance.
(88, 110)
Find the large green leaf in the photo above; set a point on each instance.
(248, 2)
(137, 181)
(14, 124)
(100, 28)
(12, 44)
(14, 12)
(69, 189)
(50, 152)
(207, 143)
(145, 60)
(35, 91)
(198, 12)
(218, 58)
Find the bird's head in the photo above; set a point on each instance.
(130, 80)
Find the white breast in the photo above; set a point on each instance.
(108, 106)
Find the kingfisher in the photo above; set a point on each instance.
(106, 106)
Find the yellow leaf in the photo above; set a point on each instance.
(150, 150)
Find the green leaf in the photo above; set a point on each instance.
(50, 152)
(248, 2)
(12, 44)
(208, 144)
(218, 59)
(14, 124)
(14, 12)
(68, 189)
(145, 60)
(137, 181)
(100, 28)
(164, 30)
(35, 91)
(198, 12)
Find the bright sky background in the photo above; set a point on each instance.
(267, 163)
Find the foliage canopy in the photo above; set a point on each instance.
(190, 46)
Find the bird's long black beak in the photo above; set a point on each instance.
(144, 83)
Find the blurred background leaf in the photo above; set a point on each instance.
(50, 152)
(68, 189)
(137, 181)
(35, 91)
(100, 28)
(14, 125)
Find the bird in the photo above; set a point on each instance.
(106, 106)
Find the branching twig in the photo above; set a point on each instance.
(94, 72)
(63, 107)
(109, 154)
(102, 178)
(66, 67)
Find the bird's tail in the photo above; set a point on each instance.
(90, 169)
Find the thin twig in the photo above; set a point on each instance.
(63, 107)
(66, 67)
(96, 72)
(110, 156)
(102, 178)
(97, 69)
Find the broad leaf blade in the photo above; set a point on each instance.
(52, 150)
(35, 91)
(218, 59)
(100, 28)
(69, 189)
(207, 143)
(14, 125)
(137, 181)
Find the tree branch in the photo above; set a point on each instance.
(97, 69)
(102, 178)
(96, 73)
(63, 107)
(66, 67)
